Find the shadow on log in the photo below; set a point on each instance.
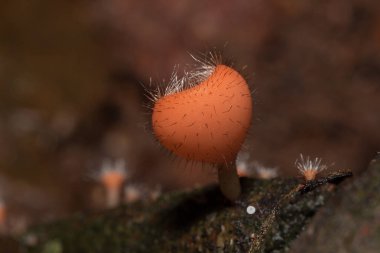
(350, 221)
(194, 221)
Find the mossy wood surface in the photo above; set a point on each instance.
(350, 221)
(194, 221)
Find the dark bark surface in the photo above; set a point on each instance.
(194, 221)
(350, 221)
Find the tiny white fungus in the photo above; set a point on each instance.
(251, 209)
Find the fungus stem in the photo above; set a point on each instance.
(112, 197)
(229, 180)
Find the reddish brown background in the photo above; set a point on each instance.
(70, 93)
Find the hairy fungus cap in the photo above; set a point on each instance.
(113, 179)
(113, 176)
(207, 122)
(309, 168)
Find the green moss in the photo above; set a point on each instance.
(53, 246)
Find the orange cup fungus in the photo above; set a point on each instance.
(207, 122)
(113, 180)
(112, 177)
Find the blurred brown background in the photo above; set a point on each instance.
(71, 94)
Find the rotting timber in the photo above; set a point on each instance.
(200, 220)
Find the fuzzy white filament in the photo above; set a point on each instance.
(304, 164)
(309, 168)
(117, 166)
(202, 69)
